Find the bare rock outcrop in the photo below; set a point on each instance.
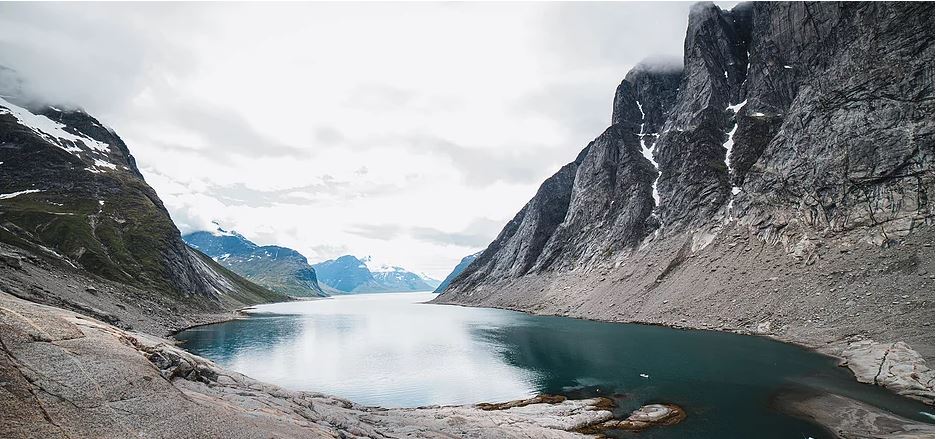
(892, 365)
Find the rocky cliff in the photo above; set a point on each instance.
(73, 203)
(780, 182)
(462, 265)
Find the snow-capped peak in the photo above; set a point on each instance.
(53, 131)
(426, 277)
(379, 267)
(218, 231)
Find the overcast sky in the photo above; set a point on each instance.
(408, 132)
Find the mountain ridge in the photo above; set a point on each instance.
(459, 268)
(74, 201)
(281, 269)
(349, 274)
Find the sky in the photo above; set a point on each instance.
(408, 132)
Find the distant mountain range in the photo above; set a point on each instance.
(465, 262)
(286, 271)
(349, 274)
(280, 269)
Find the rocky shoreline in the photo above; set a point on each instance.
(81, 352)
(68, 375)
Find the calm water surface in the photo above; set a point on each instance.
(393, 350)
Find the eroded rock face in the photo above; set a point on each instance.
(694, 182)
(610, 204)
(518, 246)
(840, 101)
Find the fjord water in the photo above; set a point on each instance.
(393, 350)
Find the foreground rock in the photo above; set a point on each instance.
(66, 375)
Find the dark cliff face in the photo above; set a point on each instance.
(837, 133)
(518, 246)
(796, 121)
(74, 195)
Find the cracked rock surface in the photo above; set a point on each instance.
(892, 365)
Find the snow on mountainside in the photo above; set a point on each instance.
(349, 274)
(71, 194)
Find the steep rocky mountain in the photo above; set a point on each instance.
(73, 201)
(462, 265)
(348, 274)
(280, 269)
(780, 183)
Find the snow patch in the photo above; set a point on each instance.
(379, 267)
(14, 194)
(729, 145)
(735, 108)
(647, 152)
(51, 130)
(98, 163)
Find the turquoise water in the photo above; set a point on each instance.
(393, 350)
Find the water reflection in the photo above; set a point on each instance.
(390, 350)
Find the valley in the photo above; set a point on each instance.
(746, 250)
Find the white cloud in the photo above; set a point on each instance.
(406, 131)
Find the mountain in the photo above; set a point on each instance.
(779, 180)
(429, 280)
(73, 201)
(348, 274)
(462, 265)
(280, 269)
